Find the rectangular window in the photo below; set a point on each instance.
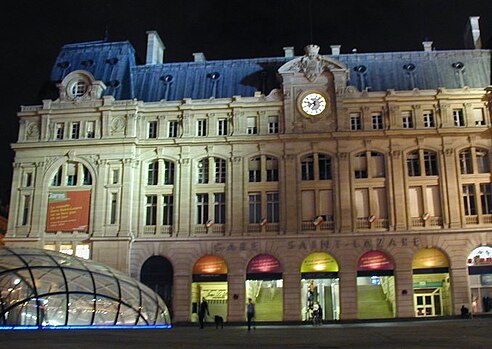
(308, 205)
(153, 173)
(115, 177)
(220, 170)
(254, 207)
(413, 164)
(25, 210)
(361, 203)
(71, 174)
(407, 119)
(251, 129)
(466, 165)
(273, 207)
(90, 129)
(307, 168)
(377, 162)
(172, 129)
(429, 119)
(113, 208)
(416, 202)
(360, 166)
(168, 172)
(201, 127)
(326, 203)
(75, 131)
(151, 210)
(458, 117)
(377, 121)
(381, 203)
(433, 201)
(222, 127)
(57, 178)
(355, 122)
(273, 124)
(28, 179)
(271, 169)
(219, 208)
(478, 114)
(167, 209)
(430, 162)
(254, 170)
(469, 200)
(324, 166)
(486, 198)
(203, 171)
(59, 130)
(201, 208)
(152, 129)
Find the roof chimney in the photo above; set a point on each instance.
(335, 50)
(155, 48)
(472, 34)
(427, 45)
(199, 57)
(289, 51)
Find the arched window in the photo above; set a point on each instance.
(419, 158)
(254, 169)
(271, 169)
(71, 174)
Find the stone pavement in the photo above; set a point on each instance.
(415, 334)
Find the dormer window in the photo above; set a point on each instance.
(79, 88)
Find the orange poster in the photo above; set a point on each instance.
(68, 211)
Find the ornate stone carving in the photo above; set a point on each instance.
(118, 125)
(396, 154)
(343, 156)
(312, 63)
(32, 130)
(448, 151)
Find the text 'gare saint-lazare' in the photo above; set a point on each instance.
(323, 244)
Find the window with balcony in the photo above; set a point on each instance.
(254, 208)
(151, 210)
(219, 208)
(201, 208)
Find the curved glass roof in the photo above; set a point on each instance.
(47, 288)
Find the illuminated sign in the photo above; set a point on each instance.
(480, 256)
(264, 263)
(319, 262)
(68, 211)
(429, 258)
(374, 260)
(210, 265)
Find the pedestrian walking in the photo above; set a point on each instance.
(202, 312)
(250, 312)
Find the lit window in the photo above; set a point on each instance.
(407, 119)
(355, 122)
(458, 117)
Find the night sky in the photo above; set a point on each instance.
(34, 31)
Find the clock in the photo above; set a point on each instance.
(313, 104)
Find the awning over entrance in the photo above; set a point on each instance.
(264, 267)
(210, 268)
(430, 261)
(375, 263)
(319, 265)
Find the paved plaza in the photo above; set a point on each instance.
(435, 334)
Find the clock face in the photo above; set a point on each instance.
(313, 104)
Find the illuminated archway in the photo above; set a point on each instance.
(210, 284)
(431, 283)
(320, 287)
(479, 263)
(264, 285)
(375, 286)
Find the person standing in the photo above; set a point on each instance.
(250, 312)
(202, 311)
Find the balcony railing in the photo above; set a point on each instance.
(158, 230)
(471, 219)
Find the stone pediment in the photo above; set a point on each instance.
(312, 65)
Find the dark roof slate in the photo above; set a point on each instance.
(114, 63)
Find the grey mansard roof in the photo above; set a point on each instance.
(114, 63)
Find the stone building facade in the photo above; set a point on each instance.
(359, 183)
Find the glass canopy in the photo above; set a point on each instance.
(48, 288)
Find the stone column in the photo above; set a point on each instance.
(344, 217)
(348, 294)
(236, 196)
(460, 289)
(404, 293)
(449, 182)
(237, 298)
(184, 205)
(127, 197)
(397, 191)
(292, 296)
(100, 200)
(291, 204)
(181, 298)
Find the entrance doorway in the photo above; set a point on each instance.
(428, 302)
(320, 292)
(157, 274)
(480, 277)
(375, 286)
(264, 285)
(431, 284)
(210, 284)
